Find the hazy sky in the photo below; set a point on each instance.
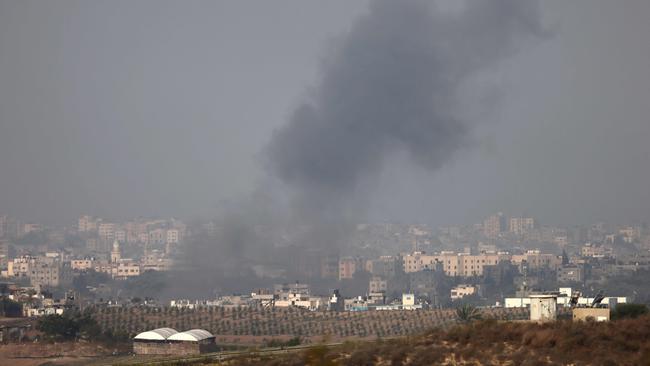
(128, 108)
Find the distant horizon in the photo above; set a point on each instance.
(540, 223)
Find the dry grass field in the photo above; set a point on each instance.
(488, 342)
(64, 353)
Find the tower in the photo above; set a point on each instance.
(115, 253)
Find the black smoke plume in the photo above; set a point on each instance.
(391, 85)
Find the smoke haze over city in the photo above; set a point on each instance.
(169, 109)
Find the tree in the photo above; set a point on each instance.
(633, 311)
(70, 325)
(10, 308)
(467, 313)
(58, 327)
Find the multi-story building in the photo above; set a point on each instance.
(155, 260)
(44, 271)
(494, 225)
(125, 269)
(348, 266)
(94, 245)
(173, 236)
(87, 224)
(7, 252)
(467, 265)
(521, 225)
(571, 273)
(10, 227)
(31, 227)
(630, 233)
(120, 235)
(106, 231)
(595, 251)
(121, 270)
(415, 261)
(534, 259)
(143, 238)
(473, 265)
(82, 264)
(157, 236)
(50, 274)
(453, 264)
(3, 224)
(377, 284)
(19, 267)
(386, 266)
(329, 266)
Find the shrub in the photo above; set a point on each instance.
(10, 308)
(633, 311)
(466, 313)
(58, 327)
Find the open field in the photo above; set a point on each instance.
(257, 325)
(64, 353)
(487, 342)
(482, 342)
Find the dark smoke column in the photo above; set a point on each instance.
(391, 85)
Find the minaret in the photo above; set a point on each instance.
(115, 253)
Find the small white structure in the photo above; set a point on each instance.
(312, 303)
(543, 307)
(461, 291)
(408, 299)
(167, 341)
(408, 302)
(563, 299)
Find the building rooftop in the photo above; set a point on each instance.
(159, 334)
(193, 335)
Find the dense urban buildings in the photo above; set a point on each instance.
(482, 263)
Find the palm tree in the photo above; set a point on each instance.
(467, 313)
